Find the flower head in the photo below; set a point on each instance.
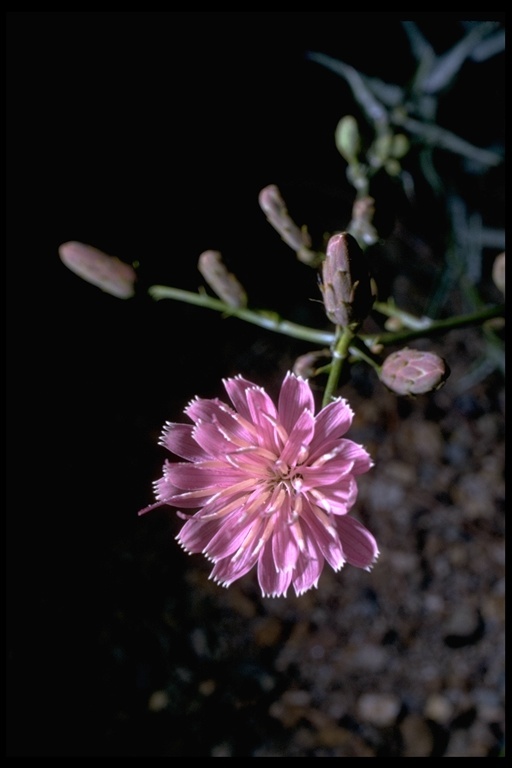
(414, 372)
(272, 485)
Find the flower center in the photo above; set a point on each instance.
(286, 476)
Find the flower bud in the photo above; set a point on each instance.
(361, 227)
(345, 284)
(106, 272)
(498, 272)
(274, 208)
(413, 372)
(306, 365)
(347, 138)
(399, 146)
(220, 280)
(381, 148)
(392, 167)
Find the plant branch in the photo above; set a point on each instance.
(273, 322)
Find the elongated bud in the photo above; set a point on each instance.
(498, 272)
(345, 284)
(413, 372)
(361, 226)
(274, 208)
(220, 280)
(347, 138)
(106, 272)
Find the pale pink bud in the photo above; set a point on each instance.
(220, 280)
(306, 365)
(498, 272)
(274, 208)
(346, 285)
(413, 372)
(361, 227)
(106, 272)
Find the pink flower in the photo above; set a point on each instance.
(272, 485)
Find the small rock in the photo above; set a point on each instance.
(439, 709)
(158, 701)
(417, 736)
(380, 709)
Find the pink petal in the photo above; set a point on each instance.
(219, 502)
(341, 497)
(178, 439)
(228, 570)
(358, 544)
(329, 446)
(263, 415)
(329, 545)
(196, 534)
(211, 440)
(355, 453)
(236, 389)
(285, 549)
(231, 534)
(235, 428)
(203, 409)
(164, 489)
(332, 422)
(332, 471)
(189, 499)
(273, 583)
(151, 507)
(191, 477)
(310, 564)
(294, 398)
(299, 436)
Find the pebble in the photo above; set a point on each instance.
(417, 737)
(438, 708)
(380, 709)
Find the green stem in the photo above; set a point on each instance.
(441, 326)
(358, 351)
(410, 321)
(272, 322)
(340, 353)
(269, 320)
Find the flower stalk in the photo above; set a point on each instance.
(273, 322)
(339, 356)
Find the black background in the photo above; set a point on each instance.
(148, 135)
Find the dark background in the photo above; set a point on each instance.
(149, 136)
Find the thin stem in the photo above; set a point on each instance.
(441, 326)
(435, 135)
(358, 354)
(273, 322)
(410, 321)
(269, 320)
(339, 355)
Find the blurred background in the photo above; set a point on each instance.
(149, 136)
